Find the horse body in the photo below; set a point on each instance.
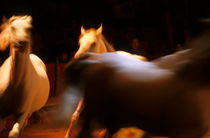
(92, 40)
(37, 73)
(24, 86)
(172, 61)
(120, 91)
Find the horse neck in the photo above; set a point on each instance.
(20, 60)
(105, 45)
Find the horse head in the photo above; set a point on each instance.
(92, 40)
(15, 30)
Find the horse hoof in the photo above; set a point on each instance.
(14, 133)
(66, 136)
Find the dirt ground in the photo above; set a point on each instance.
(43, 132)
(40, 131)
(44, 126)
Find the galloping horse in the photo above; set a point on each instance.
(92, 40)
(121, 91)
(24, 84)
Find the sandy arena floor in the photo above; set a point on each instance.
(47, 128)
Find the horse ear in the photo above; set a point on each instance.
(29, 18)
(82, 30)
(99, 30)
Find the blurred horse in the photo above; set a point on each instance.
(173, 60)
(24, 84)
(122, 91)
(92, 40)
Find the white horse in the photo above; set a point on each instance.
(24, 84)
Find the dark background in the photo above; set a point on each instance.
(161, 23)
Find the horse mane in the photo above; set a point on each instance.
(109, 47)
(196, 63)
(5, 34)
(201, 47)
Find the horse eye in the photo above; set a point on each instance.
(13, 28)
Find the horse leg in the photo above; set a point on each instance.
(100, 133)
(192, 132)
(25, 124)
(131, 132)
(85, 129)
(19, 125)
(2, 124)
(84, 122)
(74, 119)
(191, 135)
